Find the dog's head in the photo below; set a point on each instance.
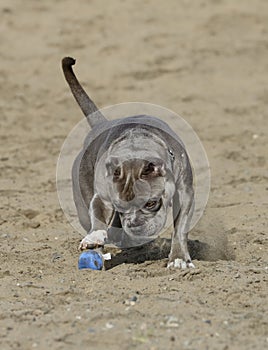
(141, 192)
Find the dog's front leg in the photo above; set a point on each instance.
(179, 255)
(100, 215)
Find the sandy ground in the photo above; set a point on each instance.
(208, 61)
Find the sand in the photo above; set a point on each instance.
(206, 60)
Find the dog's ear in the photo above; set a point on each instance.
(153, 168)
(113, 167)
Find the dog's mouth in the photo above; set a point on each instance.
(146, 222)
(141, 231)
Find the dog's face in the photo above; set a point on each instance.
(141, 193)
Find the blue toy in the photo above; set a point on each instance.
(90, 259)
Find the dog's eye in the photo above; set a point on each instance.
(151, 204)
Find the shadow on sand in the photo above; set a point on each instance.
(159, 249)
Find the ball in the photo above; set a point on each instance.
(90, 259)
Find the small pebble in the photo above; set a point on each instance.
(172, 321)
(33, 224)
(109, 325)
(207, 321)
(131, 301)
(134, 298)
(56, 256)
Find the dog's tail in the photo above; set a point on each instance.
(90, 110)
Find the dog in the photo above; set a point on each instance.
(130, 173)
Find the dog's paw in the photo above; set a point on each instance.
(180, 264)
(93, 239)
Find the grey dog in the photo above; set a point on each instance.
(128, 175)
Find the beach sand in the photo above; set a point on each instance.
(207, 61)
